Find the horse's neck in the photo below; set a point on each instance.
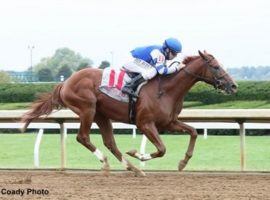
(179, 85)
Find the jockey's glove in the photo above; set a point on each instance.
(177, 66)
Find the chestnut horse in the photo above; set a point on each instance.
(155, 110)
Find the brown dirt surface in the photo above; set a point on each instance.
(81, 185)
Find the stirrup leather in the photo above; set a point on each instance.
(129, 91)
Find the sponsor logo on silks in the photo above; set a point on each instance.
(161, 59)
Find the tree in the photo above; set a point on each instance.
(83, 65)
(45, 75)
(61, 57)
(64, 71)
(104, 64)
(4, 77)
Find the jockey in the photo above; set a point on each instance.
(149, 61)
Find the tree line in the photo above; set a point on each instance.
(65, 61)
(56, 68)
(62, 64)
(250, 73)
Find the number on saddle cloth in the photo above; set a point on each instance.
(113, 80)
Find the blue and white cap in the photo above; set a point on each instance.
(173, 44)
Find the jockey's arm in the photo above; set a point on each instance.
(159, 62)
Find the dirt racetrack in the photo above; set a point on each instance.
(81, 185)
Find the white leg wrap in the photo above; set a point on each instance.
(138, 155)
(143, 157)
(124, 162)
(99, 154)
(146, 156)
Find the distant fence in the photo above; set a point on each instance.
(200, 118)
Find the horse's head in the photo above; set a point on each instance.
(214, 74)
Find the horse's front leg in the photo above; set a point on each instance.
(106, 130)
(150, 131)
(179, 126)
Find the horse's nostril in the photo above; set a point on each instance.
(234, 86)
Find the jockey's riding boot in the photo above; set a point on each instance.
(131, 87)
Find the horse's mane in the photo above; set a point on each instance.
(188, 59)
(185, 61)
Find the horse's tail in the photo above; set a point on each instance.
(44, 105)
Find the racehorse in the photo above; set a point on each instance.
(158, 106)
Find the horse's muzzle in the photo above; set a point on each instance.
(227, 87)
(231, 88)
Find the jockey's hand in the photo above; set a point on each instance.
(177, 65)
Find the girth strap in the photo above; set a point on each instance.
(132, 110)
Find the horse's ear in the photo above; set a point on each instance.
(202, 55)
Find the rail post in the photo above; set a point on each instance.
(242, 144)
(63, 144)
(36, 148)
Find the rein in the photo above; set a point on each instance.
(160, 92)
(214, 69)
(216, 82)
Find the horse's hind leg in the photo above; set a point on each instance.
(106, 130)
(85, 106)
(86, 118)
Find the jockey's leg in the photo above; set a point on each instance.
(131, 87)
(145, 74)
(132, 66)
(150, 131)
(182, 127)
(106, 131)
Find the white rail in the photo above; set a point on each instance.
(199, 118)
(66, 126)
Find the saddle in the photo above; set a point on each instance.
(113, 80)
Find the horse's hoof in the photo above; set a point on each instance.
(105, 171)
(106, 167)
(132, 152)
(140, 173)
(182, 164)
(137, 171)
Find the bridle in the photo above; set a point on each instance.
(215, 70)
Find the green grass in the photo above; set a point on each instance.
(187, 104)
(229, 105)
(14, 106)
(214, 153)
